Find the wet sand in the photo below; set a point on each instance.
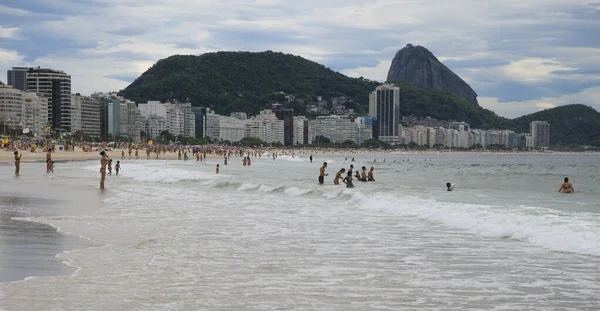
(29, 249)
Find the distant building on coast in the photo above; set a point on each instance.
(384, 107)
(540, 134)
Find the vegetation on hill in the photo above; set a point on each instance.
(249, 82)
(569, 125)
(244, 81)
(443, 105)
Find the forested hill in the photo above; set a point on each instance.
(249, 82)
(245, 81)
(569, 125)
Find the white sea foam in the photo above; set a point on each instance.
(542, 227)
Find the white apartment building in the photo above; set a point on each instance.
(335, 128)
(12, 106)
(540, 134)
(75, 113)
(36, 113)
(300, 123)
(231, 129)
(213, 126)
(266, 127)
(154, 125)
(255, 128)
(179, 117)
(477, 137)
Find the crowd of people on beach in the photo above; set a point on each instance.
(347, 177)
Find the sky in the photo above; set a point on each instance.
(520, 56)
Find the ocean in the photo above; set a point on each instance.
(174, 235)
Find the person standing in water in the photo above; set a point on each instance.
(370, 175)
(311, 158)
(363, 174)
(566, 186)
(322, 173)
(17, 163)
(103, 163)
(118, 167)
(109, 167)
(338, 176)
(48, 160)
(348, 180)
(217, 169)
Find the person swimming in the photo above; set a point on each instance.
(566, 186)
(338, 176)
(449, 186)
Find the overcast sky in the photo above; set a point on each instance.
(520, 56)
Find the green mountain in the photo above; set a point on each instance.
(444, 105)
(249, 82)
(245, 81)
(569, 125)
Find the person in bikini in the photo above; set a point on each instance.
(17, 163)
(348, 180)
(338, 176)
(566, 187)
(103, 163)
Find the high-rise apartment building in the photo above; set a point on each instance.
(52, 84)
(287, 116)
(36, 113)
(540, 134)
(385, 107)
(200, 121)
(179, 118)
(85, 115)
(12, 106)
(301, 131)
(17, 78)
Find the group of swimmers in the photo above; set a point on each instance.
(363, 176)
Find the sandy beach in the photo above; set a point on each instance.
(80, 155)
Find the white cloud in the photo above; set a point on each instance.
(8, 32)
(534, 70)
(377, 73)
(589, 96)
(124, 37)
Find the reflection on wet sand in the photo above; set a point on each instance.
(28, 248)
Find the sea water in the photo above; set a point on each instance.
(174, 235)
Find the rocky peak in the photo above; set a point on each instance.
(417, 65)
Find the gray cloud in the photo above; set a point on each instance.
(510, 50)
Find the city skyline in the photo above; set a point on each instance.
(518, 57)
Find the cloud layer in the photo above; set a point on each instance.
(519, 56)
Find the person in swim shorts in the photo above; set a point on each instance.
(322, 173)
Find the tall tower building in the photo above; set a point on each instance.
(17, 77)
(384, 106)
(540, 134)
(287, 116)
(52, 84)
